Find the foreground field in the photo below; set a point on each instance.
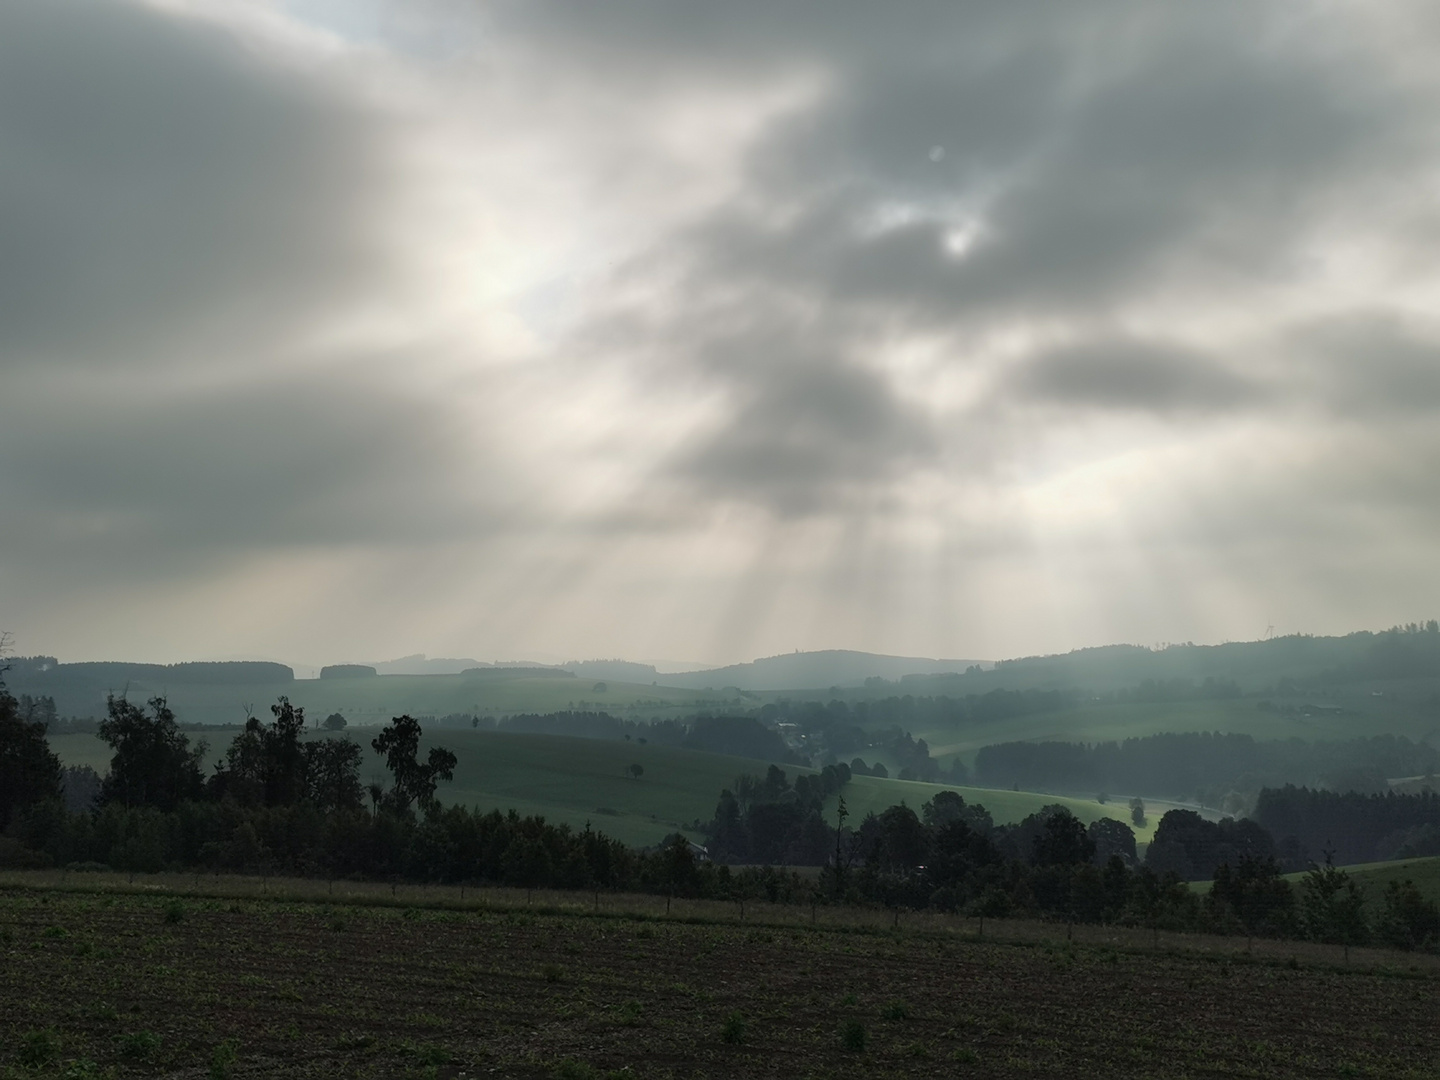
(109, 983)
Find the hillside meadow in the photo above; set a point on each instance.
(1114, 722)
(1375, 877)
(576, 781)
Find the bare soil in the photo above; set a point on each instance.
(97, 984)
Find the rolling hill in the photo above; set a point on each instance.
(577, 781)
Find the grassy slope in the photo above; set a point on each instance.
(1101, 723)
(1425, 873)
(563, 779)
(570, 780)
(82, 750)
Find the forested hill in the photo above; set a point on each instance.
(815, 670)
(79, 689)
(1276, 665)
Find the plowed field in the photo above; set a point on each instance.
(123, 985)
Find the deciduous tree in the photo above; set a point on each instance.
(415, 783)
(154, 763)
(29, 772)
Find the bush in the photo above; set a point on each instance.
(174, 911)
(733, 1030)
(853, 1035)
(222, 1058)
(38, 1048)
(896, 1010)
(139, 1045)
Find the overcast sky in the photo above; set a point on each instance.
(676, 329)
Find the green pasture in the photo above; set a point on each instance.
(84, 750)
(1115, 722)
(578, 780)
(1376, 877)
(559, 778)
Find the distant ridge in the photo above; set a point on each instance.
(615, 670)
(810, 670)
(420, 664)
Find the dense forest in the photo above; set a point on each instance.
(1355, 827)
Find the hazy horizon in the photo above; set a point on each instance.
(334, 329)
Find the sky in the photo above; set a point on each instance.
(335, 330)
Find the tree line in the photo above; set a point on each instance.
(951, 856)
(1357, 827)
(276, 804)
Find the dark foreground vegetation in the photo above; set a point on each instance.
(101, 983)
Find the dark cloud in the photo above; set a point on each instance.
(167, 193)
(181, 209)
(1195, 157)
(182, 478)
(972, 169)
(1130, 375)
(804, 431)
(1367, 366)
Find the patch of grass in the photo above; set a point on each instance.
(733, 1030)
(629, 1014)
(428, 1055)
(222, 1057)
(896, 1010)
(174, 911)
(1376, 877)
(853, 1036)
(570, 1069)
(38, 1048)
(139, 1045)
